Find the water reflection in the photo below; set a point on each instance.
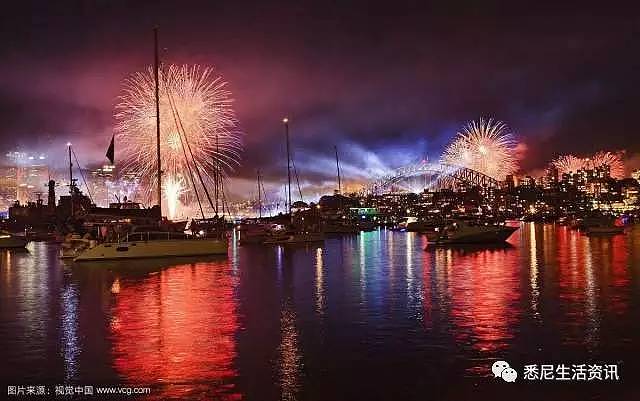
(69, 328)
(290, 359)
(174, 329)
(374, 316)
(533, 272)
(319, 279)
(483, 291)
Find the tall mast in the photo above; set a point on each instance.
(286, 130)
(259, 197)
(338, 169)
(216, 176)
(70, 177)
(156, 67)
(70, 170)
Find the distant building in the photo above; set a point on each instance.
(8, 186)
(101, 185)
(509, 183)
(528, 181)
(31, 172)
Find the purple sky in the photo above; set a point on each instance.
(388, 83)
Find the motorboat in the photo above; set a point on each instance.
(155, 245)
(468, 232)
(10, 241)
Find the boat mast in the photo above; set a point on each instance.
(259, 197)
(70, 170)
(156, 67)
(286, 130)
(338, 169)
(70, 177)
(216, 176)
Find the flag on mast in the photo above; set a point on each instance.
(110, 151)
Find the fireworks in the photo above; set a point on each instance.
(198, 130)
(611, 159)
(571, 163)
(486, 146)
(568, 164)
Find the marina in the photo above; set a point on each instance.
(264, 323)
(319, 201)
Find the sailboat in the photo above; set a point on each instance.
(292, 234)
(156, 244)
(256, 230)
(339, 222)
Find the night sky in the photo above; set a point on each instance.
(388, 84)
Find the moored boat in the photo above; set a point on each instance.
(10, 241)
(463, 232)
(74, 245)
(153, 245)
(294, 238)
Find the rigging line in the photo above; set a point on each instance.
(194, 159)
(293, 163)
(217, 175)
(82, 174)
(264, 193)
(259, 198)
(195, 189)
(224, 199)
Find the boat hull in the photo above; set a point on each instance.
(12, 243)
(486, 237)
(154, 249)
(295, 239)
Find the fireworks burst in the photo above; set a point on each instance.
(568, 164)
(611, 159)
(571, 163)
(486, 146)
(198, 130)
(173, 187)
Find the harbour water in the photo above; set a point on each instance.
(363, 317)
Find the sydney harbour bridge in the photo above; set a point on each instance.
(431, 175)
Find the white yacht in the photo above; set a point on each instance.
(463, 232)
(154, 245)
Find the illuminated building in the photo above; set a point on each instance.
(509, 183)
(101, 182)
(32, 175)
(528, 181)
(8, 186)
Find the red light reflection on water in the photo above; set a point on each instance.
(482, 288)
(616, 266)
(174, 331)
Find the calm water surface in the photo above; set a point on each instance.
(373, 316)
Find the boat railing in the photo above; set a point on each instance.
(150, 235)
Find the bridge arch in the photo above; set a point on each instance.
(445, 175)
